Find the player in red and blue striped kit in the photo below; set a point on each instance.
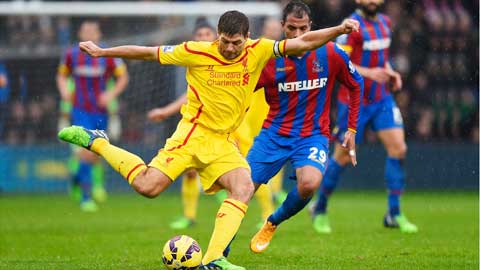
(90, 98)
(298, 90)
(369, 51)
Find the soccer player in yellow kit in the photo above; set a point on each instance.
(243, 136)
(221, 77)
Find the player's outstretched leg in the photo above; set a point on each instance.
(394, 175)
(291, 206)
(321, 223)
(127, 164)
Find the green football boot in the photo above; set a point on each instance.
(220, 264)
(181, 223)
(400, 222)
(321, 224)
(89, 206)
(81, 136)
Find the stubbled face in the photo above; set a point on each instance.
(295, 27)
(230, 47)
(205, 34)
(89, 31)
(370, 7)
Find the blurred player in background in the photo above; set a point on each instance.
(89, 98)
(203, 31)
(222, 77)
(4, 97)
(369, 51)
(297, 128)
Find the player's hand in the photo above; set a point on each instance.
(395, 79)
(349, 143)
(349, 25)
(158, 114)
(90, 48)
(105, 98)
(379, 75)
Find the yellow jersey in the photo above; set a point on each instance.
(220, 90)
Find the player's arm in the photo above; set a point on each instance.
(160, 114)
(126, 52)
(349, 77)
(315, 39)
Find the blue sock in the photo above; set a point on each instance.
(328, 185)
(84, 176)
(292, 205)
(394, 175)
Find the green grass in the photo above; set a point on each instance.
(49, 232)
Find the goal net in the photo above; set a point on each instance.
(35, 35)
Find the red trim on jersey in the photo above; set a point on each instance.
(195, 92)
(292, 99)
(186, 139)
(215, 58)
(231, 203)
(158, 54)
(132, 170)
(307, 128)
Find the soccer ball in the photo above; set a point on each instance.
(182, 253)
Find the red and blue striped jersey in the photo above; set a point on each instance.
(90, 76)
(369, 47)
(298, 91)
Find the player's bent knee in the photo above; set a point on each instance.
(150, 183)
(243, 191)
(398, 151)
(307, 187)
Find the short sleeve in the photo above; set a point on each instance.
(177, 54)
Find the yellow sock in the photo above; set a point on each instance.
(264, 197)
(190, 194)
(127, 164)
(277, 182)
(228, 220)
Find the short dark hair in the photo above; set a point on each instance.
(297, 8)
(233, 22)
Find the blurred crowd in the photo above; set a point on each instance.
(435, 47)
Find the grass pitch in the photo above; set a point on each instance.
(50, 232)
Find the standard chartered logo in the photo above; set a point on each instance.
(302, 85)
